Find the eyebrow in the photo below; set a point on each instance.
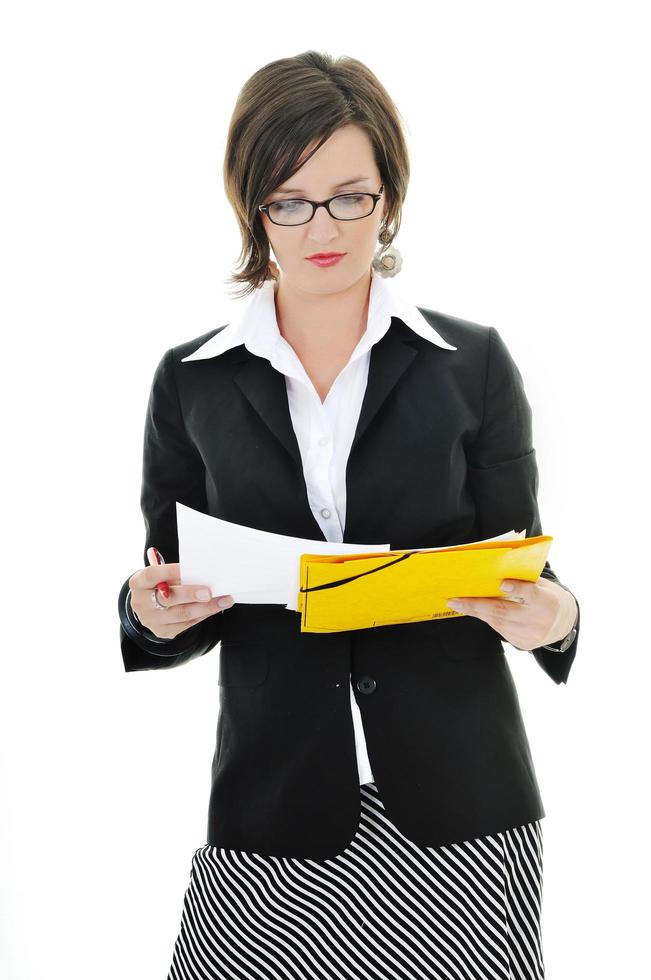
(345, 183)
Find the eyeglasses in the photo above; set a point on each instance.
(343, 207)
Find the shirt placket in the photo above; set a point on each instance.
(321, 490)
(318, 452)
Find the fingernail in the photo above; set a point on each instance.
(506, 587)
(225, 603)
(455, 603)
(202, 594)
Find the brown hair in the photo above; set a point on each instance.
(284, 107)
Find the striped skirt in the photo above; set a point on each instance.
(383, 908)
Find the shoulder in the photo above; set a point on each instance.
(457, 330)
(476, 341)
(186, 371)
(473, 340)
(168, 372)
(190, 381)
(179, 351)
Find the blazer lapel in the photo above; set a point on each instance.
(390, 357)
(265, 390)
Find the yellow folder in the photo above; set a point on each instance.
(349, 592)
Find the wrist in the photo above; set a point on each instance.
(566, 632)
(132, 626)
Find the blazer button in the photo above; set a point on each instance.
(366, 684)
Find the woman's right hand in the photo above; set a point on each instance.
(184, 607)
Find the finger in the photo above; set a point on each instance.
(192, 593)
(166, 632)
(151, 575)
(185, 611)
(517, 587)
(154, 556)
(486, 606)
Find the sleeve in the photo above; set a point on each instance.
(172, 470)
(503, 474)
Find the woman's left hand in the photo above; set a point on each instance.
(532, 615)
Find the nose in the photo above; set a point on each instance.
(322, 227)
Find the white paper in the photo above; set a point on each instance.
(249, 564)
(257, 566)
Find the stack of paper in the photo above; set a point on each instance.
(251, 565)
(337, 586)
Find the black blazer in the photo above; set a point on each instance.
(442, 455)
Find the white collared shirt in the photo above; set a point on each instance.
(324, 430)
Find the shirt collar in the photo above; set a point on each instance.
(255, 325)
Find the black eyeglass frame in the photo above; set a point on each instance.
(320, 204)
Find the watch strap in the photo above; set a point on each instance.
(561, 645)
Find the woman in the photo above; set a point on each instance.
(374, 809)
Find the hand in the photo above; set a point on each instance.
(532, 615)
(183, 608)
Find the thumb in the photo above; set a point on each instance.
(154, 556)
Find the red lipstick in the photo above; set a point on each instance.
(326, 258)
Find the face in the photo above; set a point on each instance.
(334, 169)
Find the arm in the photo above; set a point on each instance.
(172, 470)
(503, 474)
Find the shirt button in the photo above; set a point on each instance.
(323, 441)
(325, 512)
(366, 684)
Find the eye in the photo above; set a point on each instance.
(287, 206)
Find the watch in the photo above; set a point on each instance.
(561, 645)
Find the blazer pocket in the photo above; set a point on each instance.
(243, 664)
(469, 638)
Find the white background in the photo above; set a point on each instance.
(528, 209)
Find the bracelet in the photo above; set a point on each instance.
(130, 622)
(131, 611)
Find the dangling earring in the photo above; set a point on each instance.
(387, 262)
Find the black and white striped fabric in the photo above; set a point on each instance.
(383, 908)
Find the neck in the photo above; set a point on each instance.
(322, 322)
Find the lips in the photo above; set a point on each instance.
(323, 261)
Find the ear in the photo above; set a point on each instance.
(385, 202)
